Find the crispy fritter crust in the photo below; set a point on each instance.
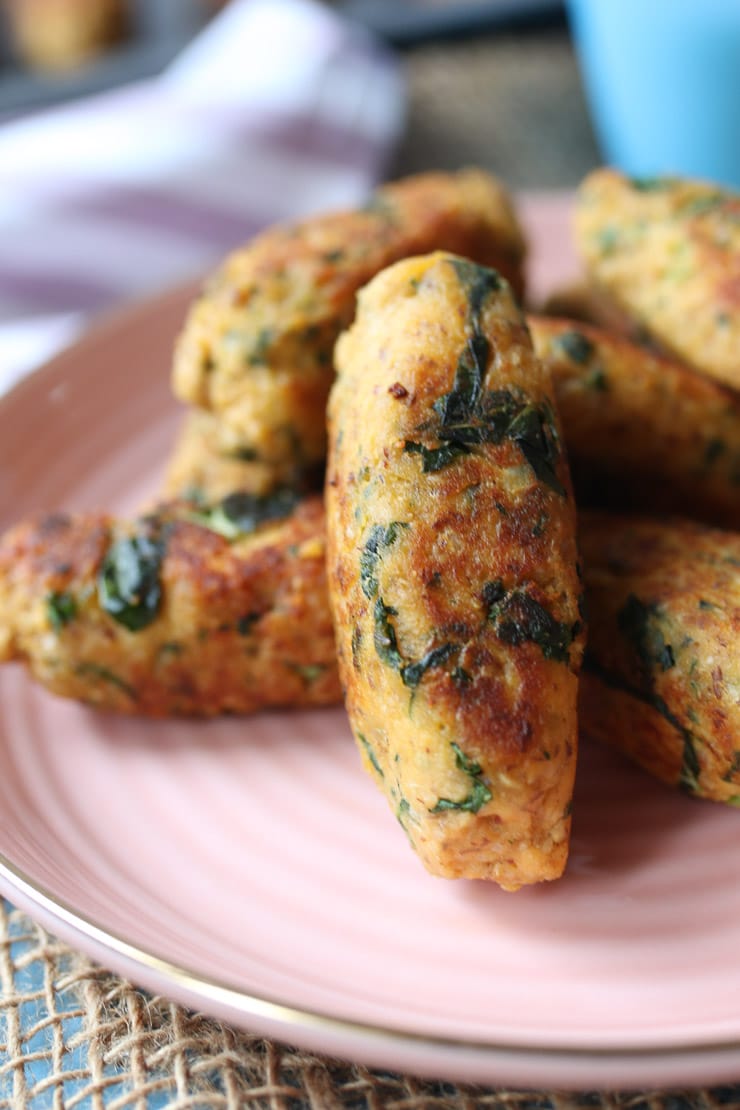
(643, 432)
(241, 626)
(583, 302)
(668, 252)
(452, 571)
(662, 671)
(257, 347)
(207, 463)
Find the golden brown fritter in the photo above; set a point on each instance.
(207, 464)
(661, 679)
(668, 252)
(586, 304)
(257, 347)
(452, 571)
(184, 612)
(642, 431)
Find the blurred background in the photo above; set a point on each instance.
(492, 82)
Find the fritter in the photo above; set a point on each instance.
(643, 432)
(207, 464)
(668, 252)
(257, 347)
(661, 678)
(452, 571)
(186, 611)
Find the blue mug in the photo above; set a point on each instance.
(662, 78)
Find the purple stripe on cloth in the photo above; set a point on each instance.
(41, 293)
(316, 138)
(164, 211)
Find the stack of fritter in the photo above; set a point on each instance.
(453, 614)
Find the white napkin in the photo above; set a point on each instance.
(278, 109)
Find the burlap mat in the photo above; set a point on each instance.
(74, 1035)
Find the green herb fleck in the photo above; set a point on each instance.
(649, 184)
(640, 624)
(369, 751)
(528, 430)
(61, 608)
(520, 618)
(597, 380)
(104, 674)
(434, 459)
(129, 586)
(733, 769)
(384, 637)
(240, 514)
(607, 239)
(699, 206)
(245, 624)
(412, 673)
(309, 672)
(689, 773)
(381, 537)
(576, 346)
(356, 645)
(258, 353)
(479, 793)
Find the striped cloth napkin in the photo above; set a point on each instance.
(278, 109)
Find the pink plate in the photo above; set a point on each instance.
(249, 868)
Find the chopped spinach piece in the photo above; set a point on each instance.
(733, 769)
(258, 353)
(576, 346)
(479, 282)
(104, 674)
(309, 672)
(245, 624)
(520, 618)
(607, 239)
(527, 429)
(698, 206)
(61, 608)
(129, 585)
(356, 645)
(370, 754)
(412, 673)
(597, 380)
(650, 184)
(386, 644)
(381, 537)
(479, 793)
(461, 677)
(690, 771)
(239, 514)
(436, 458)
(639, 623)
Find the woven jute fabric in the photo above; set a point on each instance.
(74, 1035)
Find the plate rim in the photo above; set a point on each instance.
(466, 1059)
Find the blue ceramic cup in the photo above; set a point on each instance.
(662, 78)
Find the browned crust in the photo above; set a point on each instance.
(257, 347)
(644, 432)
(668, 252)
(481, 525)
(242, 626)
(661, 677)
